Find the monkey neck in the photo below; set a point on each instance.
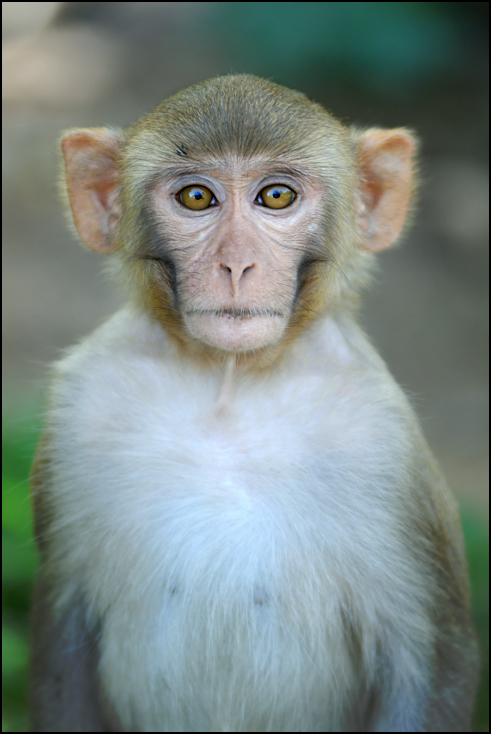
(227, 386)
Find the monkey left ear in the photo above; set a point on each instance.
(385, 170)
(92, 171)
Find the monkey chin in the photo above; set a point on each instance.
(236, 330)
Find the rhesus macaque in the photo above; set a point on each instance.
(241, 526)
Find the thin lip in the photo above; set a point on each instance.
(236, 313)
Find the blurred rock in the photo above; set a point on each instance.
(20, 19)
(61, 66)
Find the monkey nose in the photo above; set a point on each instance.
(236, 272)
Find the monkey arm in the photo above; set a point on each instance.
(441, 701)
(456, 657)
(443, 698)
(64, 691)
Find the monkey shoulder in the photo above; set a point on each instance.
(129, 411)
(331, 379)
(331, 395)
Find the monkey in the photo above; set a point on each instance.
(240, 524)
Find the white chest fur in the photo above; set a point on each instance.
(221, 550)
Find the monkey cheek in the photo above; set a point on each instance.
(236, 334)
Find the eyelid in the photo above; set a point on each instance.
(184, 181)
(281, 180)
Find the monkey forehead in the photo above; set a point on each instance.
(233, 169)
(243, 115)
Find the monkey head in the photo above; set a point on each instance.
(238, 210)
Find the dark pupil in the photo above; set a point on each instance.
(276, 194)
(198, 196)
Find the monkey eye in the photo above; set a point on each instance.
(277, 196)
(196, 197)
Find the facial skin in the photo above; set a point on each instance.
(238, 259)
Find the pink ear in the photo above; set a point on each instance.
(385, 160)
(92, 170)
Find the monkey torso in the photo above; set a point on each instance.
(267, 555)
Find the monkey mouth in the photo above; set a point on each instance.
(236, 313)
(236, 329)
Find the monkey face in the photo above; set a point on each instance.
(236, 233)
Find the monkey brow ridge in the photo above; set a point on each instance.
(262, 167)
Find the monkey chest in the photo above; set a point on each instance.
(223, 584)
(221, 566)
(240, 609)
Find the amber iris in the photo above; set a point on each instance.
(277, 196)
(196, 197)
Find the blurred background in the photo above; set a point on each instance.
(423, 65)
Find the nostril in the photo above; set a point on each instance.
(249, 267)
(236, 272)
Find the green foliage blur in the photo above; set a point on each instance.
(20, 435)
(381, 48)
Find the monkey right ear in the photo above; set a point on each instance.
(386, 182)
(92, 172)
